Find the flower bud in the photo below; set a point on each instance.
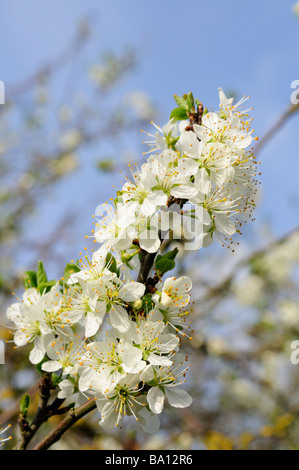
(137, 304)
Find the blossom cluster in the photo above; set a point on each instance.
(105, 334)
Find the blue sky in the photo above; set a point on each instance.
(249, 47)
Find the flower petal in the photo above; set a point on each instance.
(155, 398)
(119, 318)
(177, 397)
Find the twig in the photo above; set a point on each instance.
(73, 416)
(43, 413)
(147, 261)
(51, 66)
(276, 127)
(223, 287)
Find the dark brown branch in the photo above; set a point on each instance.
(147, 262)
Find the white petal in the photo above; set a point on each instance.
(190, 144)
(92, 324)
(156, 360)
(37, 353)
(149, 241)
(131, 291)
(51, 366)
(155, 398)
(67, 388)
(183, 283)
(225, 225)
(202, 181)
(119, 318)
(85, 379)
(149, 422)
(14, 312)
(31, 296)
(109, 415)
(178, 397)
(131, 357)
(158, 198)
(147, 374)
(148, 207)
(184, 191)
(188, 166)
(20, 338)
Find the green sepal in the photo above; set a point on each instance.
(39, 365)
(147, 302)
(56, 379)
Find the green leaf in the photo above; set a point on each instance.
(24, 404)
(181, 102)
(171, 254)
(165, 263)
(178, 114)
(190, 101)
(31, 280)
(41, 274)
(70, 269)
(46, 286)
(111, 264)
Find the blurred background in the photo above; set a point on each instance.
(82, 78)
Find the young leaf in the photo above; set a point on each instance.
(31, 280)
(178, 114)
(111, 264)
(171, 254)
(24, 404)
(181, 102)
(190, 101)
(163, 265)
(70, 269)
(166, 262)
(46, 286)
(41, 274)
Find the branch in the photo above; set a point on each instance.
(276, 127)
(51, 66)
(73, 416)
(146, 262)
(223, 287)
(43, 413)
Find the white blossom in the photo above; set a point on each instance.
(167, 381)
